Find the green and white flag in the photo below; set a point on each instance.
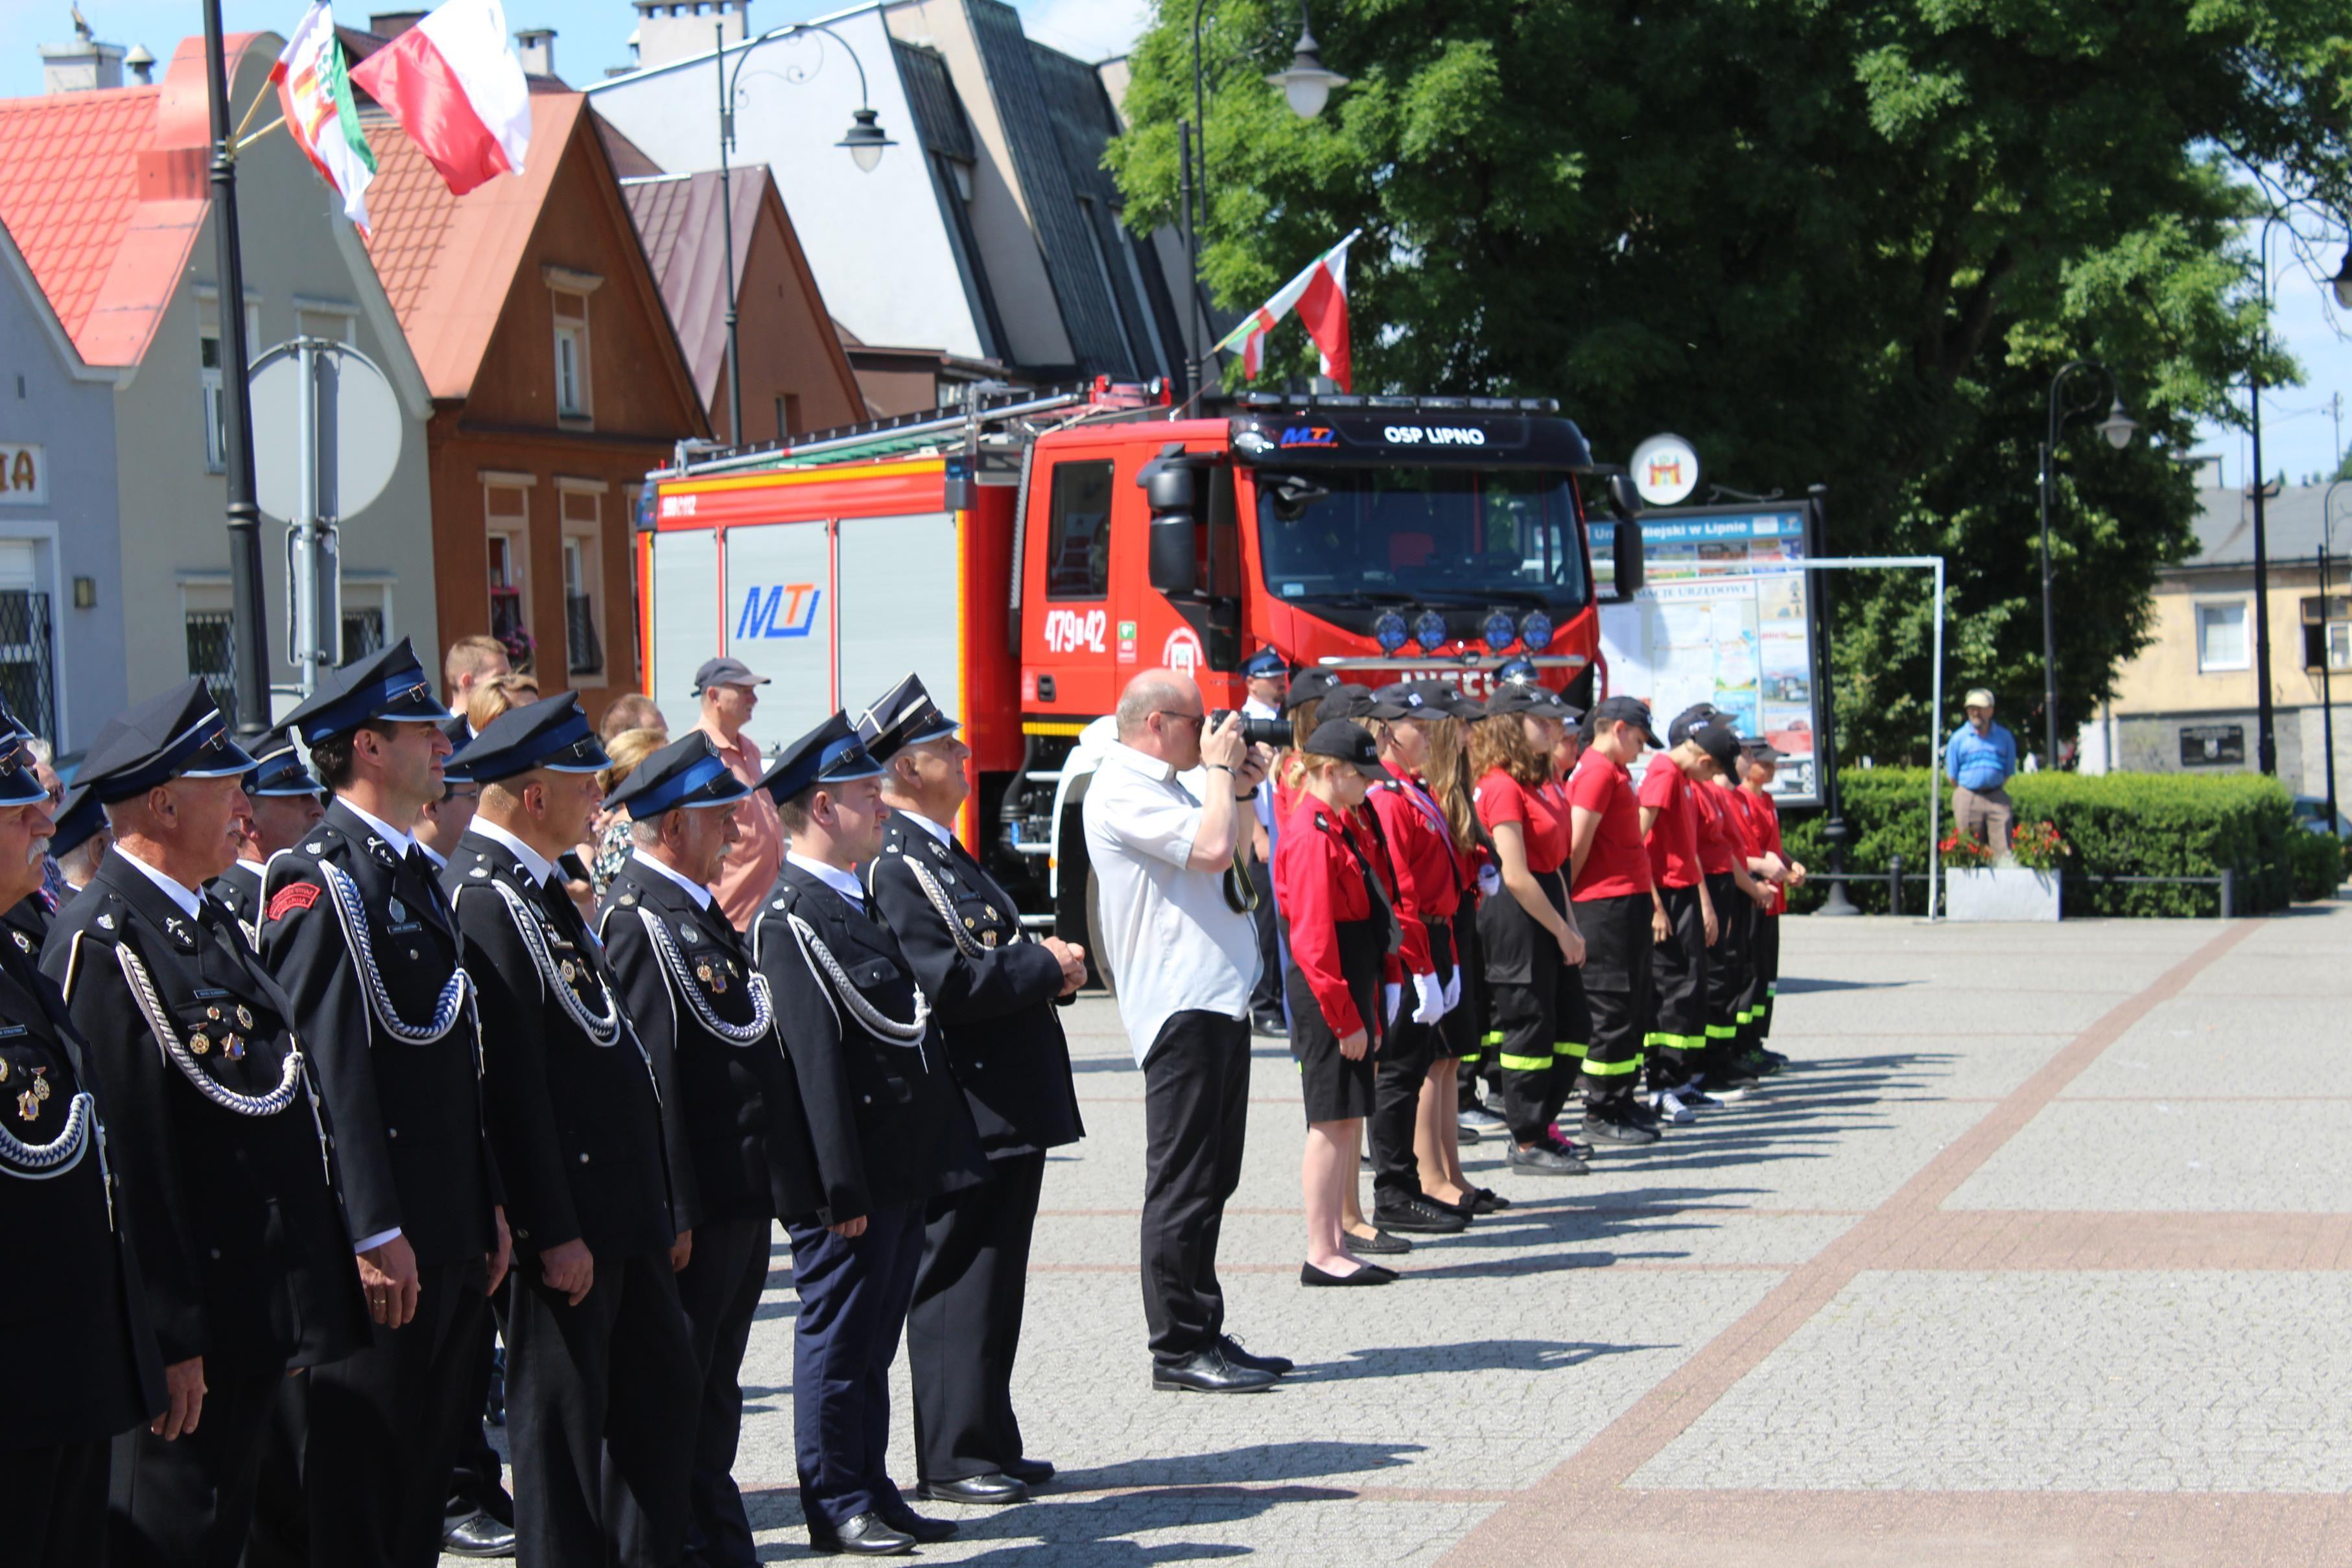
(315, 90)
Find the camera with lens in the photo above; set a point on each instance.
(1274, 732)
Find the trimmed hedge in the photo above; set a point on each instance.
(2118, 824)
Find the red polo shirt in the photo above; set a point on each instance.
(1617, 864)
(1674, 832)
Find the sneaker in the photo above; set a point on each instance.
(1670, 1108)
(1478, 1119)
(1777, 1059)
(1617, 1135)
(1697, 1099)
(1463, 1137)
(1636, 1112)
(1419, 1215)
(1541, 1159)
(1269, 1023)
(1730, 1089)
(1567, 1146)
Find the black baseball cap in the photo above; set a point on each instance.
(1515, 698)
(1759, 749)
(1626, 710)
(1719, 741)
(1359, 702)
(1690, 719)
(1306, 687)
(1348, 742)
(725, 673)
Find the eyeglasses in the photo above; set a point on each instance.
(1199, 718)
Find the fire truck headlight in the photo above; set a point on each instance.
(1535, 631)
(1390, 630)
(1499, 631)
(1429, 631)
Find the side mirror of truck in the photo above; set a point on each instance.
(1174, 496)
(1625, 501)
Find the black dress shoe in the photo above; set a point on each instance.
(1486, 1200)
(1277, 1364)
(1368, 1274)
(1037, 1472)
(991, 1487)
(867, 1535)
(1543, 1159)
(1378, 1244)
(906, 1522)
(478, 1535)
(1208, 1371)
(1421, 1217)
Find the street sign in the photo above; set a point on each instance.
(359, 425)
(326, 437)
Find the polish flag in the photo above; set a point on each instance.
(1320, 294)
(455, 86)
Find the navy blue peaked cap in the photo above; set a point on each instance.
(19, 785)
(78, 818)
(460, 736)
(686, 773)
(553, 733)
(386, 684)
(1265, 661)
(280, 771)
(179, 734)
(902, 716)
(829, 754)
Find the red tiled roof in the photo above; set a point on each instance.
(104, 194)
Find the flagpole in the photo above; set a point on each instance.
(250, 632)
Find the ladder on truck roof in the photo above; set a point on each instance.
(983, 415)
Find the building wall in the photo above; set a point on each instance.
(2165, 689)
(788, 347)
(48, 399)
(301, 255)
(875, 240)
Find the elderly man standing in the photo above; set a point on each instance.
(1979, 759)
(729, 692)
(1177, 937)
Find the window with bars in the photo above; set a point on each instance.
(28, 660)
(211, 657)
(362, 632)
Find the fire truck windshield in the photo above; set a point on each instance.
(1445, 537)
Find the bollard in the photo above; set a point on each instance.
(1894, 884)
(2228, 900)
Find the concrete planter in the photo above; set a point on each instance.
(2002, 893)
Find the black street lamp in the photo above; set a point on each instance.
(250, 650)
(864, 141)
(2119, 428)
(1306, 85)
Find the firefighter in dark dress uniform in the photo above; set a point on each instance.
(216, 1135)
(993, 992)
(281, 801)
(352, 925)
(728, 1097)
(600, 1368)
(92, 1372)
(30, 916)
(886, 1124)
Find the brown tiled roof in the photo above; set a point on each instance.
(678, 221)
(448, 262)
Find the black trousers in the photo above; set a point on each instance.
(380, 1431)
(1401, 1068)
(720, 1292)
(1764, 987)
(1617, 991)
(52, 1500)
(600, 1413)
(1675, 1040)
(1195, 1117)
(964, 1328)
(477, 1483)
(1265, 997)
(854, 1293)
(187, 1503)
(1726, 969)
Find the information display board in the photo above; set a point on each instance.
(1724, 616)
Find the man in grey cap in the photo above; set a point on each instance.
(729, 692)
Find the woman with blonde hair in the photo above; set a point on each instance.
(494, 696)
(610, 849)
(1527, 929)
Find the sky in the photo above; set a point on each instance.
(2301, 435)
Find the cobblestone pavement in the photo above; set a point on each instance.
(2036, 1257)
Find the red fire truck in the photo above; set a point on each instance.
(1028, 553)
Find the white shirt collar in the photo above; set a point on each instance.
(537, 866)
(185, 898)
(1143, 762)
(257, 867)
(440, 862)
(833, 876)
(937, 830)
(701, 894)
(385, 830)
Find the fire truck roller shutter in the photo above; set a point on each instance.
(686, 625)
(901, 609)
(780, 618)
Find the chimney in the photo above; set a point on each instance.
(536, 46)
(392, 24)
(83, 66)
(682, 29)
(142, 65)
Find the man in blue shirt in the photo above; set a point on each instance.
(1979, 759)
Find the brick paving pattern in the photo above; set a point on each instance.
(2037, 1258)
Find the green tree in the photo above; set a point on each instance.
(1838, 242)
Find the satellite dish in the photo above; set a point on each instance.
(358, 429)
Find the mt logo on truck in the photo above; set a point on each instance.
(786, 610)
